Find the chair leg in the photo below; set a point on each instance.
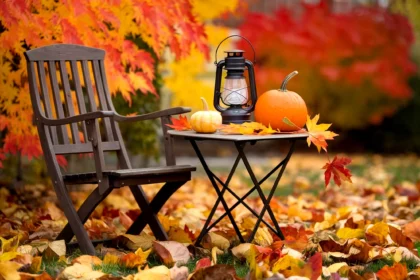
(84, 212)
(155, 205)
(76, 225)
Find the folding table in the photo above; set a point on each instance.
(240, 142)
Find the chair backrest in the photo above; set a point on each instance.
(66, 80)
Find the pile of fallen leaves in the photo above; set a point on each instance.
(365, 230)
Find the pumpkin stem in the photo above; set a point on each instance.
(288, 77)
(205, 106)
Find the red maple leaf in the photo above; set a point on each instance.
(180, 124)
(338, 170)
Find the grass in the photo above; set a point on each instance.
(115, 269)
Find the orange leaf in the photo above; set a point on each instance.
(395, 272)
(412, 230)
(202, 263)
(318, 133)
(180, 124)
(338, 170)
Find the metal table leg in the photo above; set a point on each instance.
(257, 186)
(266, 202)
(219, 194)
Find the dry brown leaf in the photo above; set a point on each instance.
(133, 242)
(55, 250)
(412, 230)
(171, 252)
(376, 235)
(215, 240)
(87, 260)
(218, 271)
(263, 237)
(80, 272)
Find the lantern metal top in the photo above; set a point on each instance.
(234, 51)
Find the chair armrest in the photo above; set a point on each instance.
(153, 115)
(78, 118)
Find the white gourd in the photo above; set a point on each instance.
(206, 121)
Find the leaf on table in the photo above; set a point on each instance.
(133, 242)
(28, 276)
(180, 124)
(202, 263)
(396, 272)
(212, 239)
(246, 128)
(80, 272)
(218, 271)
(337, 168)
(87, 260)
(318, 133)
(9, 270)
(171, 252)
(412, 230)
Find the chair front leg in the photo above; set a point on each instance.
(84, 212)
(156, 204)
(149, 214)
(76, 224)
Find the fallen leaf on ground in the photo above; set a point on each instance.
(396, 272)
(171, 252)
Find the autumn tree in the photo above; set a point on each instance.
(102, 24)
(353, 67)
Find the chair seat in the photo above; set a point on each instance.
(151, 172)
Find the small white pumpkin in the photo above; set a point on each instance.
(206, 121)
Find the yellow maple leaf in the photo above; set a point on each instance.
(318, 133)
(9, 270)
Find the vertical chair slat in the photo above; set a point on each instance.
(79, 94)
(46, 98)
(57, 99)
(115, 127)
(68, 100)
(102, 100)
(88, 85)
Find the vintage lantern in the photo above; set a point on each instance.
(239, 98)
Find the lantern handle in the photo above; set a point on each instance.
(235, 35)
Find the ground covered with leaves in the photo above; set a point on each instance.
(365, 230)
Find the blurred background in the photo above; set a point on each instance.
(358, 63)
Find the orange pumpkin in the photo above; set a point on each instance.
(273, 105)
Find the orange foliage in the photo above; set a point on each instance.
(27, 24)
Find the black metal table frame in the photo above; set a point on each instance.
(240, 145)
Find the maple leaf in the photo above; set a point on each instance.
(180, 124)
(338, 170)
(318, 133)
(396, 272)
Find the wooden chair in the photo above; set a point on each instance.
(81, 118)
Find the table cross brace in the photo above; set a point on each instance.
(257, 186)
